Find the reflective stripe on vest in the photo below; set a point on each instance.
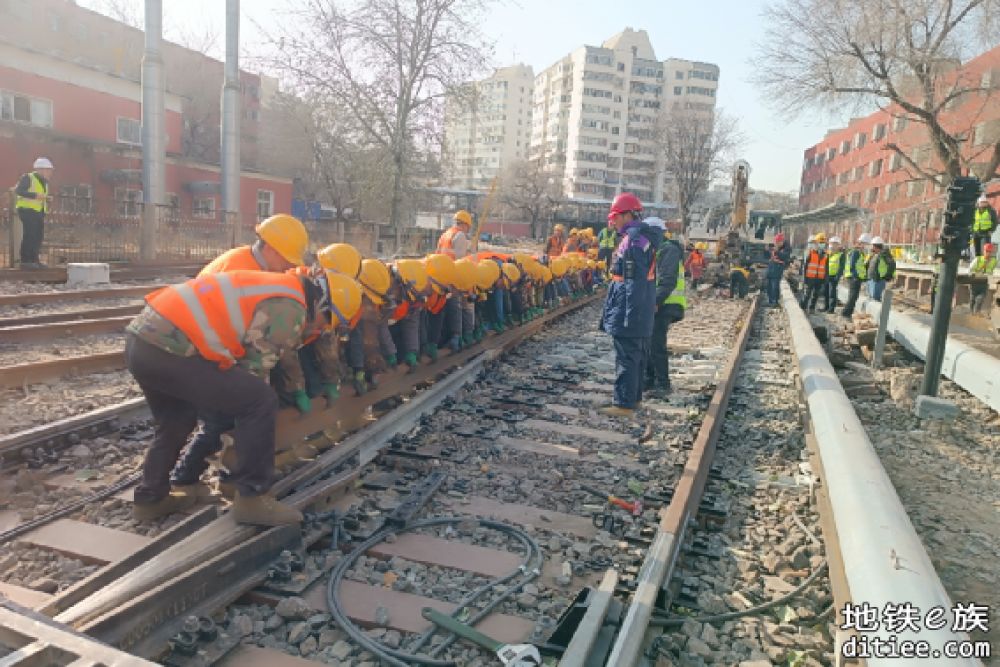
(606, 239)
(858, 268)
(986, 268)
(679, 295)
(214, 311)
(36, 186)
(833, 264)
(445, 243)
(983, 222)
(237, 259)
(816, 265)
(554, 247)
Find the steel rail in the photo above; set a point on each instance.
(21, 375)
(33, 333)
(34, 298)
(658, 565)
(60, 275)
(55, 318)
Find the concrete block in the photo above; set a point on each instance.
(931, 407)
(88, 274)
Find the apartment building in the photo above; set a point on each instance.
(487, 127)
(852, 165)
(597, 109)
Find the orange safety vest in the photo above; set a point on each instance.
(237, 259)
(445, 242)
(214, 311)
(816, 265)
(571, 245)
(435, 303)
(400, 312)
(554, 247)
(489, 254)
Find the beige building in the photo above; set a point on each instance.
(596, 111)
(487, 127)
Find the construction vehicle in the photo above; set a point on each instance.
(749, 231)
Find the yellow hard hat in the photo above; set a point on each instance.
(487, 273)
(375, 280)
(340, 257)
(821, 238)
(558, 267)
(463, 216)
(520, 258)
(591, 264)
(588, 232)
(601, 264)
(343, 299)
(413, 273)
(286, 235)
(440, 272)
(574, 232)
(466, 275)
(546, 275)
(511, 273)
(559, 228)
(592, 253)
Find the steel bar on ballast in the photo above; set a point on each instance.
(884, 559)
(34, 298)
(583, 640)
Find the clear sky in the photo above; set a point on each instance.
(539, 32)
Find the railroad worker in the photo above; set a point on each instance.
(881, 268)
(671, 302)
(370, 348)
(441, 276)
(630, 304)
(980, 271)
(607, 241)
(408, 291)
(695, 265)
(739, 281)
(573, 242)
(983, 224)
(487, 277)
(554, 244)
(32, 203)
(281, 244)
(454, 242)
(340, 258)
(207, 345)
(834, 270)
(814, 273)
(856, 272)
(781, 256)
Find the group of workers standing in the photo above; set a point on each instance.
(263, 326)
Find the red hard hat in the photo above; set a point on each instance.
(778, 239)
(989, 247)
(624, 203)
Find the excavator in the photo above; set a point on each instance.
(749, 231)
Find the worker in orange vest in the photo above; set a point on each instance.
(281, 245)
(206, 346)
(441, 277)
(573, 242)
(408, 293)
(814, 273)
(554, 246)
(454, 242)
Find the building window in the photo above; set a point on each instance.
(872, 196)
(203, 207)
(845, 146)
(128, 202)
(75, 198)
(898, 123)
(621, 67)
(678, 90)
(129, 131)
(678, 75)
(895, 162)
(23, 109)
(876, 167)
(830, 153)
(878, 133)
(860, 139)
(173, 203)
(859, 173)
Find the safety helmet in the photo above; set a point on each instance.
(286, 235)
(877, 240)
(546, 275)
(487, 273)
(865, 238)
(559, 228)
(624, 203)
(466, 275)
(591, 264)
(979, 202)
(340, 257)
(559, 266)
(820, 238)
(42, 163)
(440, 272)
(601, 264)
(375, 280)
(341, 299)
(588, 232)
(463, 217)
(989, 247)
(574, 232)
(511, 273)
(835, 239)
(779, 238)
(413, 273)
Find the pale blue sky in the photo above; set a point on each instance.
(540, 32)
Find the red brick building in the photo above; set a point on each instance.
(852, 165)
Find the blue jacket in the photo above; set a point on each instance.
(631, 301)
(780, 259)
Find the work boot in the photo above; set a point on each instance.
(616, 411)
(175, 502)
(455, 343)
(264, 510)
(431, 350)
(197, 489)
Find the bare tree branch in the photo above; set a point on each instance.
(527, 187)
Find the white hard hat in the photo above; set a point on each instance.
(834, 239)
(982, 200)
(653, 221)
(865, 238)
(877, 240)
(43, 163)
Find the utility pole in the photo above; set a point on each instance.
(231, 123)
(962, 195)
(153, 130)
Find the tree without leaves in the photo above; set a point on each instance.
(528, 188)
(695, 149)
(388, 63)
(901, 55)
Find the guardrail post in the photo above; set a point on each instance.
(883, 325)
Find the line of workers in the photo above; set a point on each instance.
(262, 326)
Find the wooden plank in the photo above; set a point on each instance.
(23, 596)
(86, 541)
(449, 553)
(246, 655)
(361, 600)
(574, 430)
(526, 515)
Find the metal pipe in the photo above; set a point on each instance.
(939, 331)
(153, 129)
(884, 560)
(231, 112)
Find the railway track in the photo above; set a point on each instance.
(484, 495)
(118, 273)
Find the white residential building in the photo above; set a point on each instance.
(596, 110)
(487, 127)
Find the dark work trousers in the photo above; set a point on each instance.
(978, 240)
(177, 389)
(977, 291)
(814, 287)
(630, 360)
(207, 441)
(32, 230)
(830, 300)
(658, 368)
(739, 286)
(773, 290)
(433, 326)
(605, 255)
(854, 291)
(453, 317)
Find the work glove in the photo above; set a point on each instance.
(301, 400)
(391, 360)
(410, 358)
(332, 391)
(360, 384)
